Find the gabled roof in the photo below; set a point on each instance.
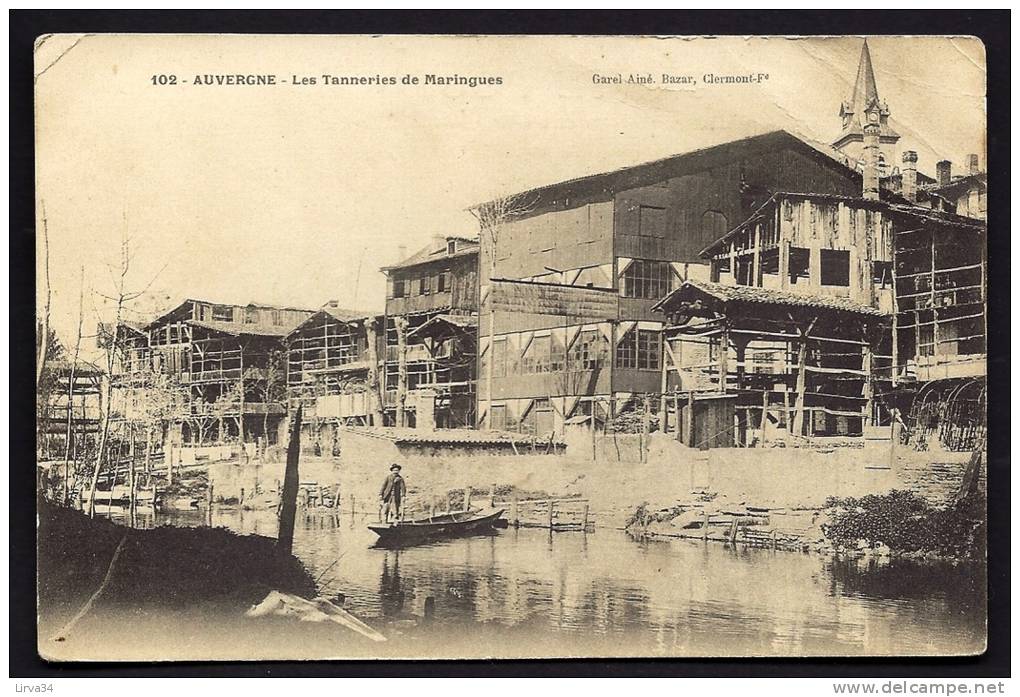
(337, 313)
(243, 329)
(236, 328)
(467, 246)
(700, 291)
(691, 161)
(445, 325)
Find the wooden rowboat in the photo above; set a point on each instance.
(437, 527)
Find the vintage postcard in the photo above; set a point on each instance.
(491, 346)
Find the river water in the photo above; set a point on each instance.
(529, 592)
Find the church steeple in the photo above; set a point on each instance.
(854, 114)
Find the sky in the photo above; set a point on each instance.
(297, 194)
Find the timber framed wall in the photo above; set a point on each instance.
(333, 372)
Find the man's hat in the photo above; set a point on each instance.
(394, 466)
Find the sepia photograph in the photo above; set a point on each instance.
(514, 347)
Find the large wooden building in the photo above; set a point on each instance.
(824, 314)
(333, 372)
(430, 330)
(637, 232)
(207, 372)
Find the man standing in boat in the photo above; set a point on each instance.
(392, 494)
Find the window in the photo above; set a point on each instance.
(222, 313)
(497, 417)
(451, 246)
(538, 357)
(651, 221)
(203, 312)
(543, 355)
(277, 317)
(881, 274)
(835, 267)
(251, 315)
(800, 264)
(647, 279)
(499, 350)
(713, 226)
(441, 283)
(588, 352)
(540, 419)
(424, 285)
(398, 288)
(639, 349)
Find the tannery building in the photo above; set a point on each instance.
(207, 372)
(430, 335)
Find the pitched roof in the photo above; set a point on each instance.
(694, 160)
(337, 313)
(442, 325)
(768, 296)
(443, 436)
(243, 329)
(959, 185)
(431, 252)
(183, 311)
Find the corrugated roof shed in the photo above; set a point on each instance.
(752, 294)
(452, 436)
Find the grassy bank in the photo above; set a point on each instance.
(172, 593)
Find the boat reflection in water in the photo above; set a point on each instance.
(530, 592)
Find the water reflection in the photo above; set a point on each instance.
(541, 592)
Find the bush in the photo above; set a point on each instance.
(906, 523)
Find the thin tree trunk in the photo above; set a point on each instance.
(44, 340)
(70, 389)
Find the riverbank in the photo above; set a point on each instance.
(898, 524)
(166, 593)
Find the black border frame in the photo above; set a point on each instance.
(991, 26)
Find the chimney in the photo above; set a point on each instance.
(944, 172)
(909, 176)
(973, 164)
(871, 152)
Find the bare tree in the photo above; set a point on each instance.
(112, 341)
(492, 218)
(43, 348)
(70, 386)
(269, 385)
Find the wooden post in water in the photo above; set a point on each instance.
(209, 501)
(492, 496)
(704, 527)
(449, 502)
(515, 518)
(584, 518)
(467, 498)
(552, 506)
(288, 497)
